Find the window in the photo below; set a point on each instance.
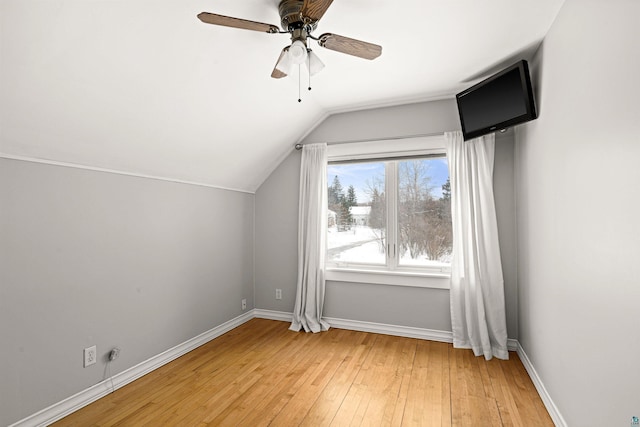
(389, 213)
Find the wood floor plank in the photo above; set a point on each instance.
(393, 381)
(329, 401)
(469, 402)
(298, 369)
(530, 407)
(428, 401)
(376, 390)
(274, 357)
(304, 399)
(357, 398)
(262, 374)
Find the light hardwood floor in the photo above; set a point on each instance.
(263, 374)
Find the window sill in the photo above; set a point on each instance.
(437, 280)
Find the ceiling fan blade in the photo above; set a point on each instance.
(228, 21)
(350, 46)
(277, 73)
(315, 9)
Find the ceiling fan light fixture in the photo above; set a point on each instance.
(298, 52)
(314, 63)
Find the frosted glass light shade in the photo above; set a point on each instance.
(314, 63)
(298, 52)
(284, 64)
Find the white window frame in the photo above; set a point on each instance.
(392, 274)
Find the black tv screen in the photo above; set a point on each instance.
(501, 101)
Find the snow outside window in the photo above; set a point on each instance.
(390, 215)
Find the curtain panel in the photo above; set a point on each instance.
(478, 314)
(312, 234)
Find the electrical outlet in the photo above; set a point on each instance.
(244, 303)
(90, 356)
(113, 354)
(278, 293)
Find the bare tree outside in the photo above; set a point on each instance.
(378, 213)
(424, 226)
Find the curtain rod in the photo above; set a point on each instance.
(393, 138)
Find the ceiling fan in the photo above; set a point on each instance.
(299, 18)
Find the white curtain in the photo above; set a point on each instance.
(477, 289)
(312, 232)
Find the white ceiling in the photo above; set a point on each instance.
(144, 87)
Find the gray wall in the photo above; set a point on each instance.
(578, 214)
(277, 212)
(95, 258)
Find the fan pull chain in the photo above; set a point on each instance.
(309, 67)
(299, 84)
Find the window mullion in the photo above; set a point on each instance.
(391, 183)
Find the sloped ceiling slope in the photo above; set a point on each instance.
(144, 87)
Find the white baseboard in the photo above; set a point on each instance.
(273, 315)
(378, 328)
(381, 328)
(401, 331)
(61, 409)
(557, 418)
(358, 325)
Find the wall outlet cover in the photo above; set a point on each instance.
(90, 356)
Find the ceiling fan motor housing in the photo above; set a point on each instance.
(290, 17)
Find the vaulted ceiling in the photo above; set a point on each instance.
(144, 87)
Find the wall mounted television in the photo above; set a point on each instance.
(501, 101)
